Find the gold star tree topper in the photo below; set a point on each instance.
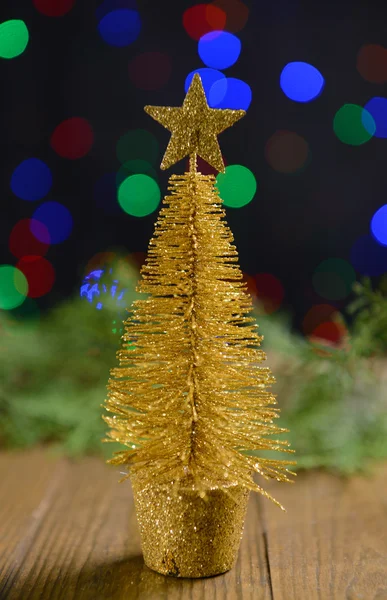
(194, 127)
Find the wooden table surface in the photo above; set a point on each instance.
(68, 531)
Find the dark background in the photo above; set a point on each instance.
(293, 223)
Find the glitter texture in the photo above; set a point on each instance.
(194, 127)
(190, 397)
(190, 401)
(184, 535)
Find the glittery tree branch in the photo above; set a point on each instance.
(190, 400)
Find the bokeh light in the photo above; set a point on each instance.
(120, 27)
(301, 81)
(372, 63)
(105, 194)
(150, 70)
(73, 138)
(317, 315)
(56, 218)
(230, 93)
(203, 18)
(31, 180)
(236, 12)
(134, 167)
(100, 284)
(139, 195)
(269, 292)
(203, 167)
(368, 257)
(377, 108)
(13, 287)
(237, 186)
(330, 331)
(22, 242)
(53, 8)
(251, 285)
(40, 275)
(14, 38)
(379, 225)
(101, 260)
(286, 152)
(333, 279)
(108, 6)
(219, 49)
(138, 144)
(353, 125)
(208, 77)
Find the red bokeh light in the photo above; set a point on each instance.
(286, 151)
(72, 138)
(269, 291)
(53, 8)
(150, 71)
(329, 332)
(204, 168)
(372, 63)
(202, 18)
(251, 284)
(40, 275)
(100, 260)
(22, 242)
(236, 12)
(318, 314)
(138, 258)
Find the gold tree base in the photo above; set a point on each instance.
(183, 535)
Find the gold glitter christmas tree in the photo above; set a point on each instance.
(190, 401)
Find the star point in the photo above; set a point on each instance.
(194, 127)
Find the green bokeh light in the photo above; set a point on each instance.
(138, 144)
(13, 287)
(237, 186)
(139, 195)
(334, 278)
(133, 167)
(14, 38)
(353, 125)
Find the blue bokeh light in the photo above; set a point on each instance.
(105, 194)
(109, 5)
(230, 93)
(219, 49)
(93, 288)
(31, 180)
(301, 81)
(379, 225)
(57, 219)
(208, 77)
(368, 257)
(377, 108)
(120, 27)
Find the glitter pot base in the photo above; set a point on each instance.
(183, 535)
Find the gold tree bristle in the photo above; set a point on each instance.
(190, 399)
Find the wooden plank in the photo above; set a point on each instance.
(25, 484)
(332, 542)
(87, 547)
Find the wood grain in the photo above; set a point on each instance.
(332, 542)
(87, 546)
(69, 532)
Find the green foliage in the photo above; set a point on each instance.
(332, 399)
(370, 318)
(54, 374)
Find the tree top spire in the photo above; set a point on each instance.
(194, 127)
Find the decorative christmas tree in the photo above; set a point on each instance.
(191, 403)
